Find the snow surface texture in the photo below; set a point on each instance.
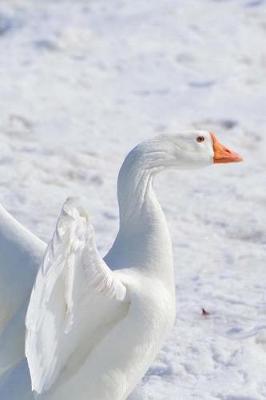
(81, 83)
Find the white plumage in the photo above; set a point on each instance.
(95, 325)
(20, 256)
(72, 272)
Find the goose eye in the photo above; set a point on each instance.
(200, 139)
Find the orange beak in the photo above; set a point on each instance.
(222, 154)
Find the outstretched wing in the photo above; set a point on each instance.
(20, 256)
(74, 294)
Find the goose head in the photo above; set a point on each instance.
(183, 150)
(187, 150)
(200, 148)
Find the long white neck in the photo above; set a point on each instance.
(143, 240)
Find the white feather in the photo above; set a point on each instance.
(20, 255)
(71, 272)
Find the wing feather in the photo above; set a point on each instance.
(21, 253)
(72, 276)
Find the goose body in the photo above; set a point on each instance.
(95, 325)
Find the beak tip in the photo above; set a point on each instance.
(239, 158)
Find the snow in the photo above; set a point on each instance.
(84, 81)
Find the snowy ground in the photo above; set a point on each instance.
(81, 82)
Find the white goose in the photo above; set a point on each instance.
(95, 325)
